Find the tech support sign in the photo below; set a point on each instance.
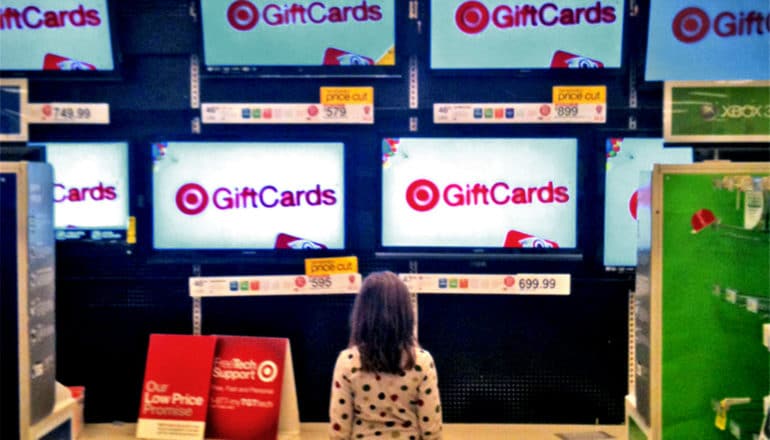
(495, 34)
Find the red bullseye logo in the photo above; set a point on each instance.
(633, 204)
(422, 195)
(242, 15)
(691, 25)
(472, 17)
(267, 371)
(192, 199)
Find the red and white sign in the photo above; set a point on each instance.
(175, 393)
(247, 388)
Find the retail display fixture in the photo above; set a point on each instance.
(701, 369)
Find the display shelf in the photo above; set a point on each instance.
(741, 417)
(754, 303)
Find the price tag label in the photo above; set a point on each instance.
(519, 113)
(69, 113)
(514, 284)
(266, 113)
(752, 305)
(579, 95)
(347, 95)
(328, 266)
(731, 296)
(273, 285)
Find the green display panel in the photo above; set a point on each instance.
(712, 266)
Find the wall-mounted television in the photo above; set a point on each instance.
(304, 38)
(57, 39)
(480, 195)
(91, 190)
(249, 196)
(494, 34)
(627, 157)
(708, 40)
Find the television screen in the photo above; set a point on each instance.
(244, 35)
(479, 193)
(248, 195)
(493, 34)
(626, 159)
(708, 40)
(91, 189)
(55, 35)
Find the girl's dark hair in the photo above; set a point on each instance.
(382, 324)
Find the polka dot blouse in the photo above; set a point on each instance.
(368, 405)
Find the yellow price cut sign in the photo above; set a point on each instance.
(347, 95)
(579, 94)
(330, 266)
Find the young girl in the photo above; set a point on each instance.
(385, 386)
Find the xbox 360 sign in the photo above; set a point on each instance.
(717, 112)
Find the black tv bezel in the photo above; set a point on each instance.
(403, 28)
(480, 253)
(237, 255)
(81, 75)
(599, 74)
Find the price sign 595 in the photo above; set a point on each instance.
(320, 282)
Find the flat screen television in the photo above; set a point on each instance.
(494, 34)
(303, 38)
(479, 195)
(708, 40)
(626, 159)
(91, 190)
(248, 196)
(57, 39)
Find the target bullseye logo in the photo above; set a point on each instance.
(691, 25)
(472, 17)
(243, 15)
(191, 199)
(267, 371)
(422, 195)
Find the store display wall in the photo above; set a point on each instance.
(500, 359)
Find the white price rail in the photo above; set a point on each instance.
(512, 284)
(518, 113)
(282, 113)
(273, 285)
(69, 113)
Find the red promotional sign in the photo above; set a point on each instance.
(175, 392)
(246, 388)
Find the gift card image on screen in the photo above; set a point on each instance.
(479, 193)
(55, 35)
(248, 195)
(91, 189)
(263, 33)
(626, 159)
(494, 34)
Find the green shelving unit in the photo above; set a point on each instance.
(702, 297)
